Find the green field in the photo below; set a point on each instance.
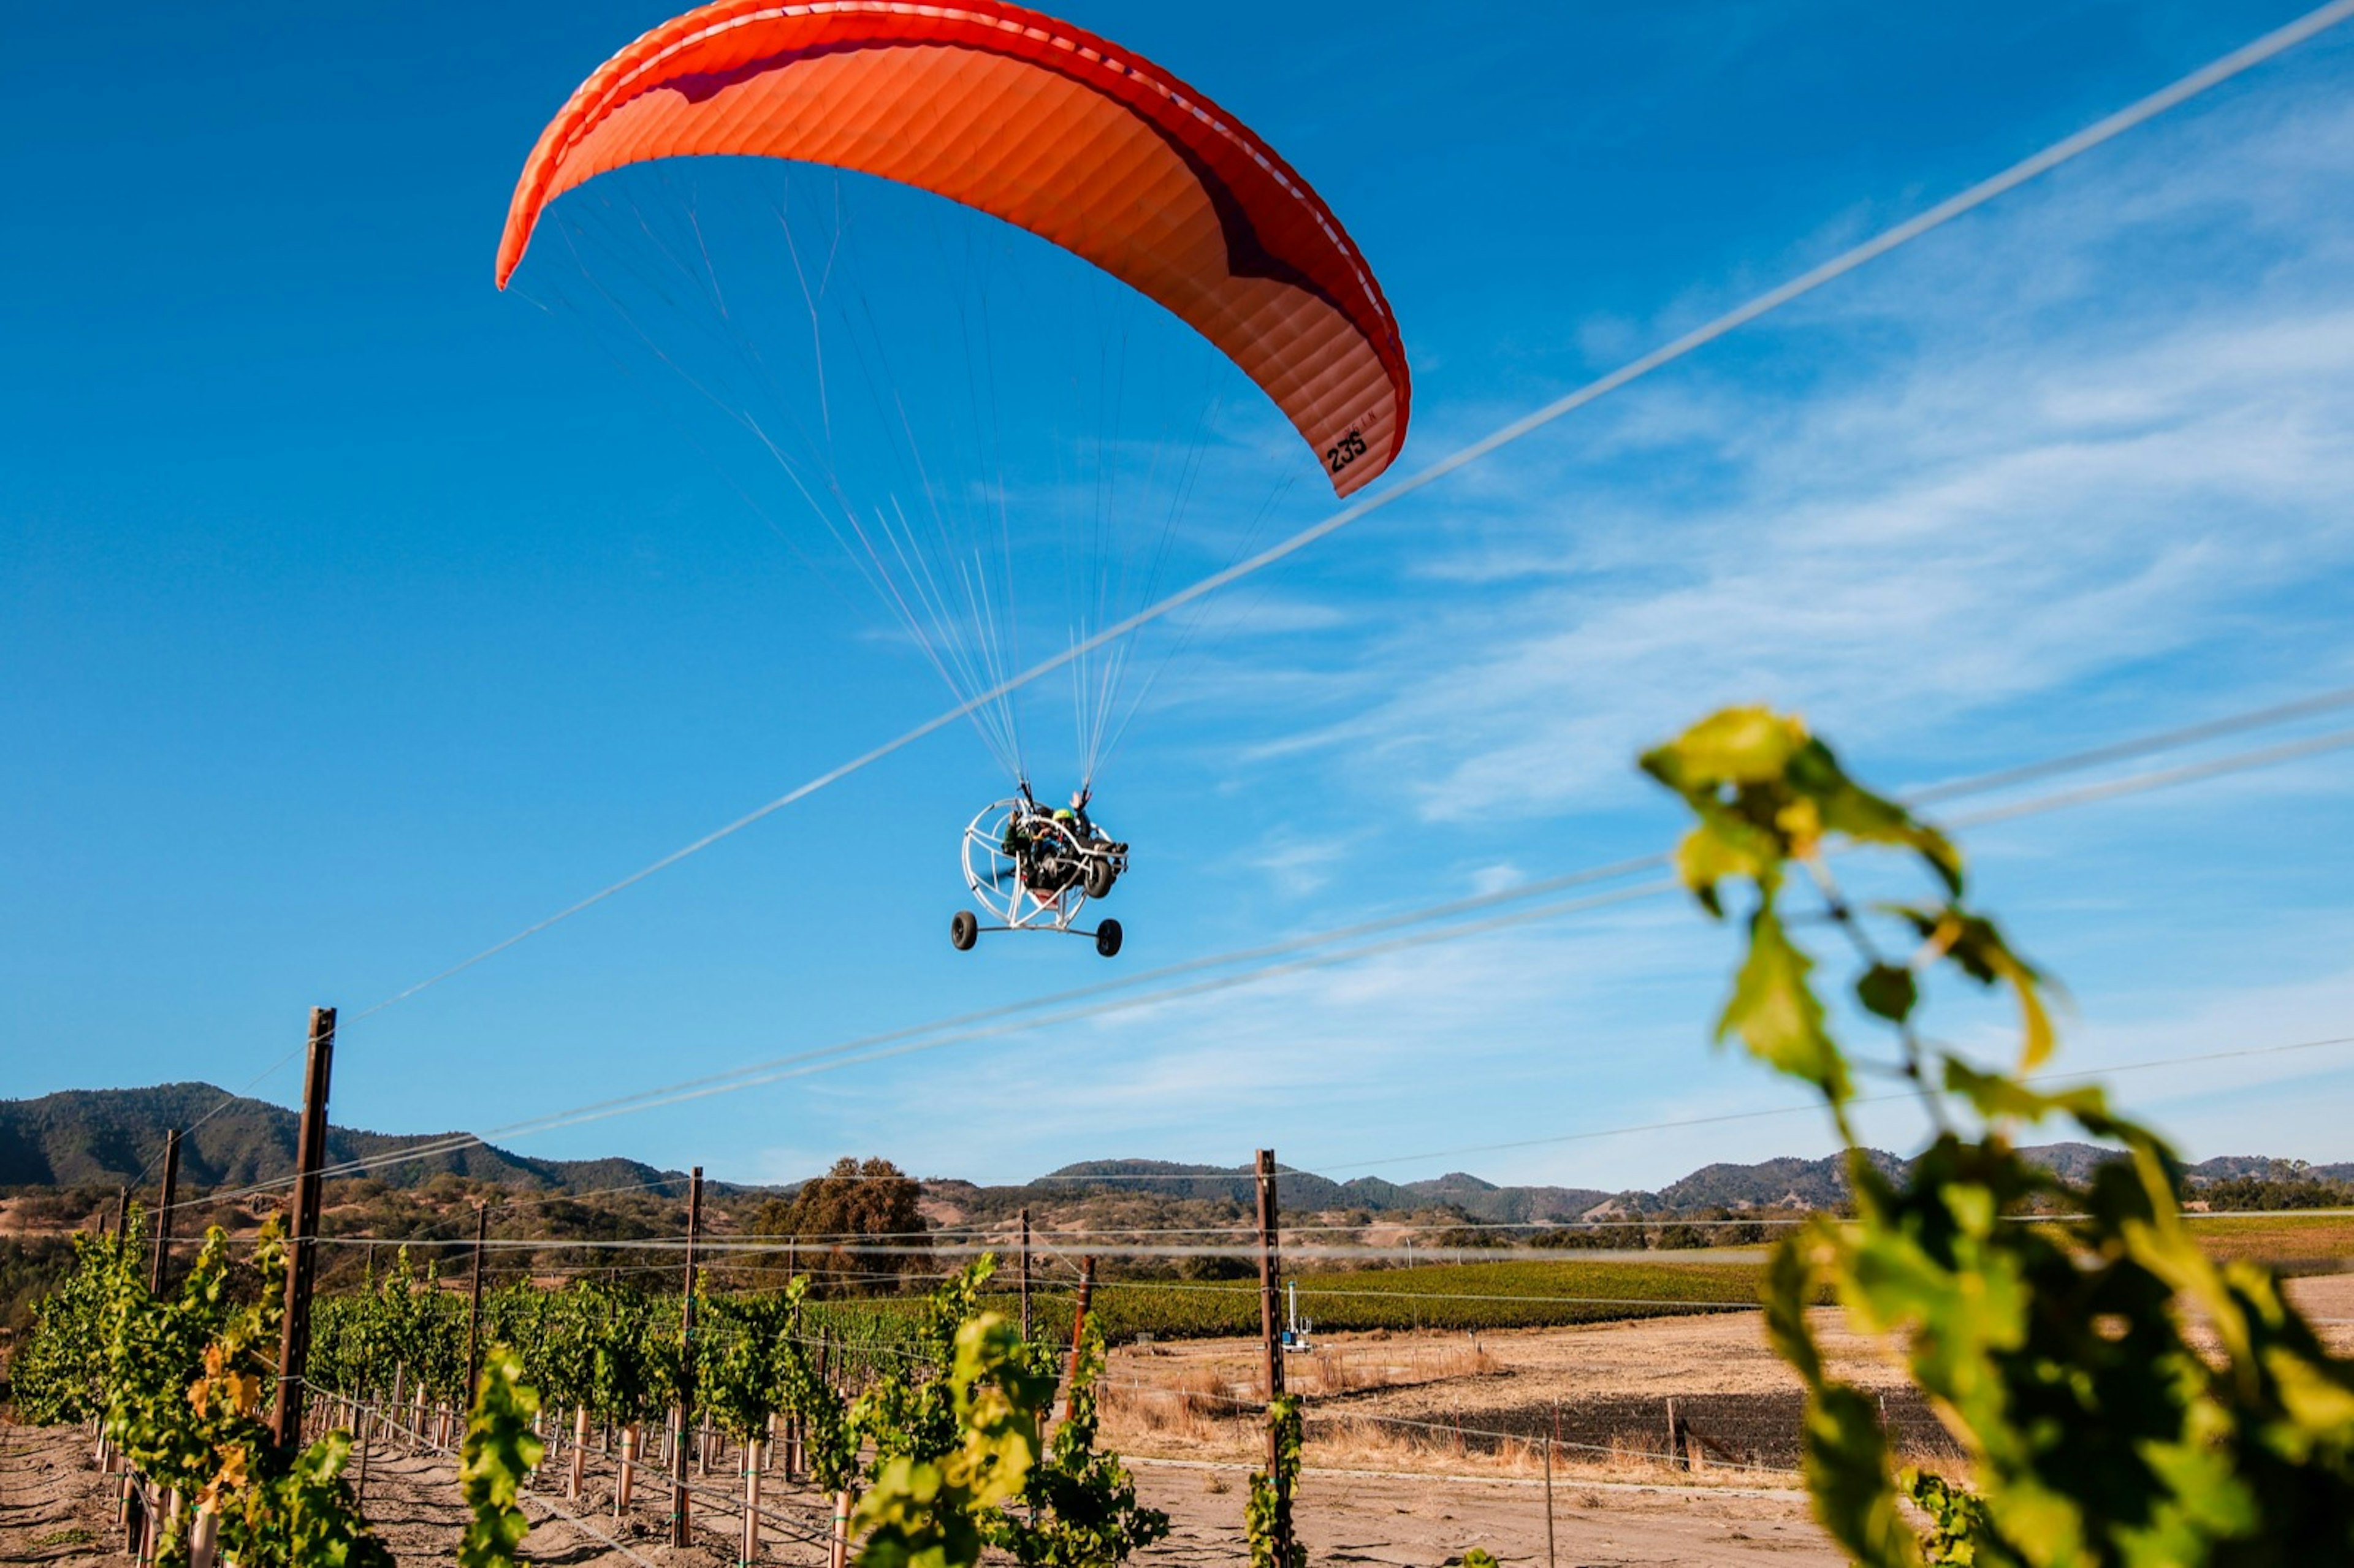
(1518, 1295)
(2283, 1238)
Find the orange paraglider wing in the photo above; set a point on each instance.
(1039, 123)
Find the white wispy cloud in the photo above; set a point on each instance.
(2089, 444)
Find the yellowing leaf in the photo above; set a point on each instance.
(1710, 853)
(1739, 746)
(1800, 823)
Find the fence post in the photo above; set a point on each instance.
(164, 1210)
(474, 1307)
(681, 1532)
(365, 1421)
(749, 1548)
(310, 1153)
(1270, 1270)
(1548, 1448)
(1675, 1438)
(1079, 1330)
(579, 1451)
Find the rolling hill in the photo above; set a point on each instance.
(107, 1138)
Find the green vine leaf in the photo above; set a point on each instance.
(2098, 1432)
(1266, 1512)
(497, 1458)
(1776, 1013)
(1977, 946)
(1889, 990)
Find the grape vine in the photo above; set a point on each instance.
(2059, 1354)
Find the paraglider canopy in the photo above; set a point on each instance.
(1039, 123)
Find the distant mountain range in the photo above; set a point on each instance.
(1305, 1192)
(107, 1136)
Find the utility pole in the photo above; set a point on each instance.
(474, 1306)
(679, 1526)
(310, 1153)
(1270, 1270)
(1025, 1275)
(164, 1210)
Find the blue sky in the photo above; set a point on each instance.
(353, 614)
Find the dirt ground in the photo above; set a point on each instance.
(1417, 1450)
(56, 1509)
(1462, 1403)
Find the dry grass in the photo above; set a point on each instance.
(1363, 1367)
(1346, 1443)
(1205, 1418)
(1194, 1409)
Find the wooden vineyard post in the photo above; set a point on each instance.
(474, 1306)
(204, 1537)
(751, 1548)
(171, 1195)
(1079, 1330)
(579, 1450)
(838, 1543)
(1270, 1269)
(680, 1528)
(1548, 1448)
(121, 1217)
(365, 1422)
(627, 1483)
(1025, 1276)
(1675, 1438)
(838, 1546)
(310, 1153)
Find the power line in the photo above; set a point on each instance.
(2149, 108)
(226, 1100)
(1812, 1109)
(1297, 954)
(2138, 747)
(832, 1058)
(2190, 773)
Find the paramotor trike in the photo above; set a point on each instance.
(1032, 869)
